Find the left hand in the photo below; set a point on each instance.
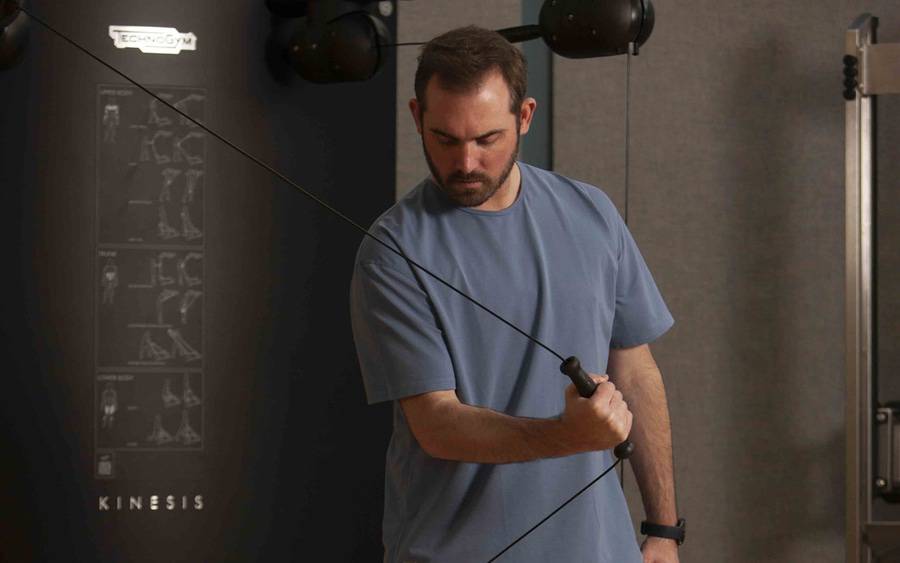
(659, 550)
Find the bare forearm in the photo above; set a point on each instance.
(446, 428)
(651, 433)
(480, 435)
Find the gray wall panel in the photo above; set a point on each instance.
(588, 121)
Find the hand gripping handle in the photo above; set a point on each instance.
(586, 386)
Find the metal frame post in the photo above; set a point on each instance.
(869, 70)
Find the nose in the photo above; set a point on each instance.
(467, 158)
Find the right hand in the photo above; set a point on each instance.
(599, 422)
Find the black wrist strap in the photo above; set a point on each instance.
(675, 532)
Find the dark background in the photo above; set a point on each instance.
(292, 466)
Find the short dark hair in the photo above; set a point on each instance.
(462, 57)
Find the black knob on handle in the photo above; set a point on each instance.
(584, 384)
(586, 387)
(624, 450)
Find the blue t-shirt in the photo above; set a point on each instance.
(560, 264)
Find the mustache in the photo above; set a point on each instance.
(456, 177)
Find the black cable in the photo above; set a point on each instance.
(533, 528)
(627, 124)
(627, 167)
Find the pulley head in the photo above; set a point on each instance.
(580, 29)
(13, 33)
(348, 48)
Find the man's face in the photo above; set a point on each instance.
(471, 140)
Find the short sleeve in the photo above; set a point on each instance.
(641, 315)
(401, 348)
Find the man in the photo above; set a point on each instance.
(488, 436)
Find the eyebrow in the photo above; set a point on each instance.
(482, 136)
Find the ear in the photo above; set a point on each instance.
(526, 114)
(414, 109)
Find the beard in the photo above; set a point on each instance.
(470, 195)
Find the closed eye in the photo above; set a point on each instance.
(446, 141)
(488, 140)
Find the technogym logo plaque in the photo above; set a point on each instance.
(159, 40)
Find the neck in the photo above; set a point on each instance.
(506, 194)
